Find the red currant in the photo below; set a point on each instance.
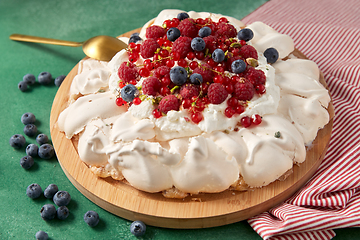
(170, 63)
(256, 119)
(196, 117)
(232, 102)
(246, 122)
(144, 72)
(182, 63)
(223, 20)
(229, 112)
(193, 65)
(190, 55)
(200, 55)
(156, 113)
(186, 103)
(239, 109)
(137, 101)
(119, 101)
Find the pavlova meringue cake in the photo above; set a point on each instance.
(197, 103)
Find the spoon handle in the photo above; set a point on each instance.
(27, 38)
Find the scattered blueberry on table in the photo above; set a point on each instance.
(91, 218)
(17, 141)
(48, 212)
(41, 235)
(26, 162)
(62, 212)
(33, 190)
(62, 198)
(50, 191)
(138, 228)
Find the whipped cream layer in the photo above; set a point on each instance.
(158, 154)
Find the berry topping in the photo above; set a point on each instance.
(155, 31)
(225, 29)
(182, 16)
(187, 91)
(129, 92)
(204, 32)
(271, 55)
(255, 76)
(217, 93)
(187, 28)
(182, 46)
(248, 51)
(173, 34)
(245, 34)
(127, 72)
(205, 71)
(198, 44)
(218, 55)
(238, 66)
(178, 75)
(151, 86)
(163, 71)
(244, 91)
(134, 38)
(196, 78)
(148, 48)
(245, 122)
(168, 103)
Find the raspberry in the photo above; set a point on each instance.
(188, 91)
(205, 71)
(255, 76)
(225, 29)
(161, 72)
(148, 48)
(210, 42)
(248, 51)
(151, 86)
(187, 28)
(155, 32)
(182, 45)
(244, 91)
(217, 93)
(168, 103)
(127, 72)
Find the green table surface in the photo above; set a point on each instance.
(75, 20)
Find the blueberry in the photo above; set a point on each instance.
(29, 78)
(26, 162)
(198, 44)
(91, 218)
(17, 141)
(22, 86)
(196, 78)
(245, 34)
(204, 32)
(50, 191)
(46, 151)
(271, 55)
(28, 118)
(62, 212)
(45, 78)
(61, 198)
(32, 150)
(33, 191)
(134, 38)
(173, 34)
(58, 81)
(42, 139)
(129, 92)
(138, 228)
(182, 16)
(30, 130)
(218, 55)
(48, 212)
(41, 235)
(238, 66)
(178, 75)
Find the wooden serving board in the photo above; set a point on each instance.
(196, 211)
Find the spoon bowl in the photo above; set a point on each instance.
(101, 47)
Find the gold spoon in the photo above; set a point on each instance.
(101, 47)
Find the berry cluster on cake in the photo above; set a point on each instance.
(197, 103)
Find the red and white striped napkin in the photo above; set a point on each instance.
(327, 32)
